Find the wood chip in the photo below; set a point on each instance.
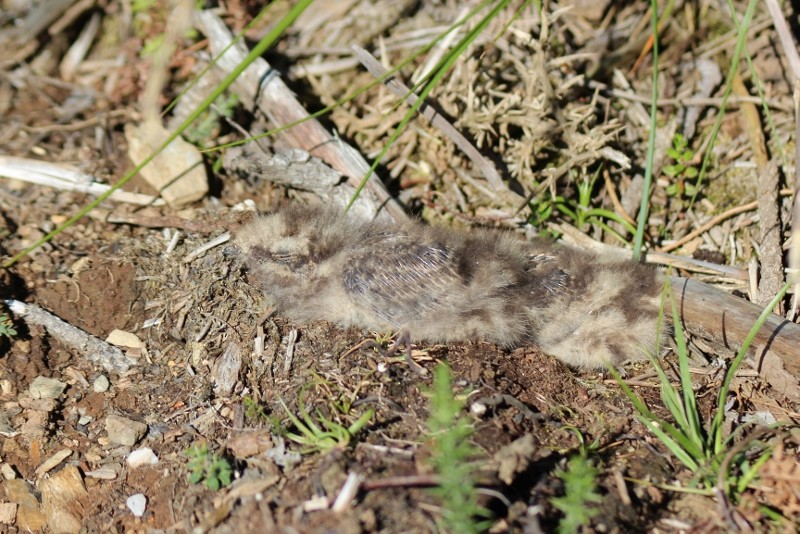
(29, 517)
(104, 473)
(53, 461)
(63, 498)
(177, 172)
(226, 370)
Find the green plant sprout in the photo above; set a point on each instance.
(211, 467)
(202, 130)
(580, 487)
(316, 439)
(256, 412)
(580, 211)
(700, 449)
(340, 399)
(384, 338)
(7, 326)
(681, 169)
(253, 410)
(451, 457)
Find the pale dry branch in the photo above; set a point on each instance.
(93, 349)
(262, 88)
(66, 178)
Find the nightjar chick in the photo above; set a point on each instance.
(441, 285)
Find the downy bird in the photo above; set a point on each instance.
(439, 284)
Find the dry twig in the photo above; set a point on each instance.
(437, 119)
(261, 87)
(95, 350)
(66, 178)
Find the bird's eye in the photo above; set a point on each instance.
(283, 257)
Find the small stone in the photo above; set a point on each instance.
(124, 431)
(249, 444)
(104, 473)
(46, 388)
(478, 409)
(7, 472)
(101, 384)
(140, 457)
(38, 405)
(8, 513)
(122, 338)
(136, 504)
(92, 456)
(177, 172)
(35, 425)
(76, 376)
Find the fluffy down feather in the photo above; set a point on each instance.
(445, 285)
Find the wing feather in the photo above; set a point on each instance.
(403, 278)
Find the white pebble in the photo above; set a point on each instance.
(136, 504)
(140, 457)
(101, 384)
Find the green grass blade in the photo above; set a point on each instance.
(741, 39)
(750, 474)
(297, 423)
(692, 424)
(675, 436)
(685, 457)
(610, 215)
(361, 422)
(436, 75)
(715, 432)
(644, 207)
(236, 39)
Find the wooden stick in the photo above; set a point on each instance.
(750, 206)
(400, 90)
(726, 320)
(66, 178)
(262, 87)
(95, 350)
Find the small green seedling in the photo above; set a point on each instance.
(258, 414)
(316, 439)
(580, 212)
(580, 490)
(7, 326)
(207, 125)
(681, 168)
(211, 467)
(452, 458)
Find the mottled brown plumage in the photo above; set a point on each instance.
(444, 285)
